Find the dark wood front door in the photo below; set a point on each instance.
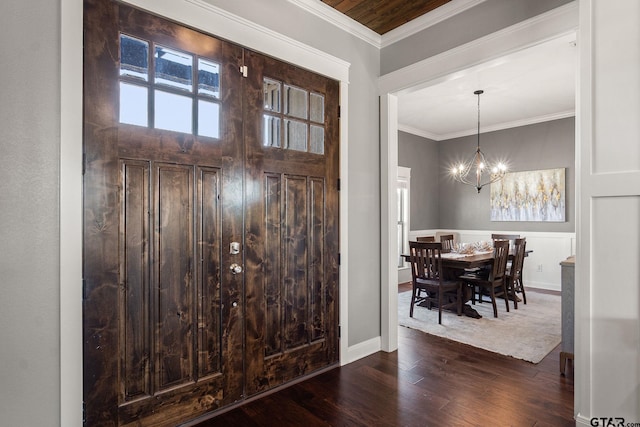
(189, 171)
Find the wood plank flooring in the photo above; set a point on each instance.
(429, 381)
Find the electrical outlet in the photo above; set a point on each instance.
(539, 270)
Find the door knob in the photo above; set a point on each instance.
(235, 268)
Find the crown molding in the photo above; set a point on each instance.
(486, 129)
(427, 20)
(419, 132)
(342, 21)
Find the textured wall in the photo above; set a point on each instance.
(29, 265)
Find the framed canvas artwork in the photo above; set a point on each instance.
(529, 196)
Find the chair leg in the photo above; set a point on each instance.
(493, 301)
(524, 295)
(413, 299)
(439, 306)
(505, 294)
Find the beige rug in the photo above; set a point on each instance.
(528, 333)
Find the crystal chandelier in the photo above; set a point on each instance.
(478, 165)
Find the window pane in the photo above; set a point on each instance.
(134, 57)
(295, 102)
(208, 78)
(208, 119)
(173, 112)
(295, 135)
(272, 95)
(271, 131)
(134, 104)
(317, 108)
(174, 68)
(317, 140)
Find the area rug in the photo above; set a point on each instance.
(528, 333)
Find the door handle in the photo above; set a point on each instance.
(235, 268)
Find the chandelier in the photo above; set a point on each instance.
(478, 165)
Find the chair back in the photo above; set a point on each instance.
(511, 237)
(425, 258)
(500, 256)
(519, 249)
(447, 242)
(426, 239)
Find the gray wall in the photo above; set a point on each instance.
(545, 145)
(479, 21)
(540, 146)
(29, 265)
(421, 155)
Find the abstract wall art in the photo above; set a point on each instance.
(529, 196)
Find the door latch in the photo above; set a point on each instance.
(235, 268)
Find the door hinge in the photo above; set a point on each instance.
(84, 163)
(338, 111)
(338, 184)
(339, 331)
(84, 292)
(84, 413)
(339, 258)
(244, 70)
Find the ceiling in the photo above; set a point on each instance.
(383, 16)
(530, 86)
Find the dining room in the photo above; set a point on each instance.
(525, 119)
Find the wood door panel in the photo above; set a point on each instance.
(135, 278)
(174, 262)
(208, 272)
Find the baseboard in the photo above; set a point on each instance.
(363, 349)
(543, 285)
(583, 421)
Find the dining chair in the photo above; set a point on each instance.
(447, 242)
(505, 236)
(429, 286)
(426, 239)
(494, 282)
(514, 272)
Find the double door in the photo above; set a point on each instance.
(210, 220)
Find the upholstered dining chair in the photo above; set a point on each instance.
(447, 242)
(494, 282)
(514, 272)
(428, 285)
(426, 239)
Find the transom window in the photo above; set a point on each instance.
(293, 118)
(164, 88)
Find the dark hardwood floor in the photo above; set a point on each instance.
(429, 381)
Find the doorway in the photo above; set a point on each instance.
(431, 71)
(210, 235)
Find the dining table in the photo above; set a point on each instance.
(455, 263)
(465, 261)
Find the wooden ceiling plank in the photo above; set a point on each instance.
(384, 15)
